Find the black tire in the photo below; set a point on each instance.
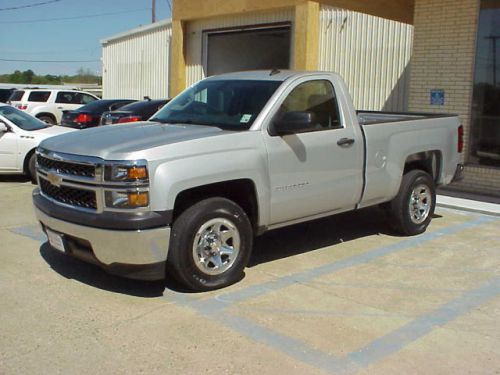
(47, 120)
(32, 168)
(194, 225)
(412, 217)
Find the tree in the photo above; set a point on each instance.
(27, 76)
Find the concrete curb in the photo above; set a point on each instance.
(468, 205)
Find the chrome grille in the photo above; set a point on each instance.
(72, 169)
(69, 195)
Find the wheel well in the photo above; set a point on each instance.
(242, 192)
(428, 161)
(26, 163)
(46, 114)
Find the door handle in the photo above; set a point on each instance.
(345, 142)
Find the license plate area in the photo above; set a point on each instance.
(56, 240)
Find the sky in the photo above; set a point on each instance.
(58, 35)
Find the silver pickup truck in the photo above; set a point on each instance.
(184, 194)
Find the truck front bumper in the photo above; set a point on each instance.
(137, 254)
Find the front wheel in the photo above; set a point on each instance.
(210, 245)
(413, 207)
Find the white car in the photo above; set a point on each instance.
(20, 134)
(49, 104)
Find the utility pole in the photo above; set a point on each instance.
(494, 46)
(153, 11)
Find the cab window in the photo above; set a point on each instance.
(317, 97)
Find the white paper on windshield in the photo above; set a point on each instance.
(245, 118)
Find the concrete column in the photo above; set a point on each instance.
(306, 36)
(178, 59)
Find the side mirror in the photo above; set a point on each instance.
(294, 122)
(3, 128)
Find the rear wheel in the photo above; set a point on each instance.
(210, 245)
(413, 207)
(47, 120)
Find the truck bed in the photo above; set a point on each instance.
(376, 117)
(399, 136)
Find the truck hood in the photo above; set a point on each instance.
(108, 141)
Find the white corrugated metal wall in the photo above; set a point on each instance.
(372, 54)
(136, 64)
(194, 57)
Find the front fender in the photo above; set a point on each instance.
(174, 176)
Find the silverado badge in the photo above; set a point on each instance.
(54, 179)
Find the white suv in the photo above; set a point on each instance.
(48, 104)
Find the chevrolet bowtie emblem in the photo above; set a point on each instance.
(54, 179)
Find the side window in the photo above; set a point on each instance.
(86, 99)
(317, 97)
(16, 96)
(65, 97)
(38, 96)
(77, 98)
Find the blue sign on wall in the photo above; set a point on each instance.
(437, 97)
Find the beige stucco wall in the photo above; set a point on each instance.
(443, 58)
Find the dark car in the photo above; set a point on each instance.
(5, 94)
(89, 115)
(138, 111)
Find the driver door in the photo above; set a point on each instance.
(318, 171)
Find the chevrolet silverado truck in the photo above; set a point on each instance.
(234, 155)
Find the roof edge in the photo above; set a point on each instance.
(136, 30)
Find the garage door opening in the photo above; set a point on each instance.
(247, 49)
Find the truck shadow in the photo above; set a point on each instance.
(14, 178)
(317, 234)
(273, 245)
(92, 275)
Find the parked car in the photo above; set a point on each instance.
(5, 94)
(184, 194)
(47, 104)
(89, 115)
(20, 134)
(138, 111)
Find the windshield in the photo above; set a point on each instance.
(231, 104)
(21, 119)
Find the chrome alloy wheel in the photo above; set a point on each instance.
(420, 203)
(216, 246)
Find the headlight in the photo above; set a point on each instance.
(126, 173)
(126, 199)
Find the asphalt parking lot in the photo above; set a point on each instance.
(342, 295)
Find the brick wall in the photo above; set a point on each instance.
(443, 58)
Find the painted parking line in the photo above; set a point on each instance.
(398, 339)
(31, 231)
(215, 308)
(370, 354)
(327, 269)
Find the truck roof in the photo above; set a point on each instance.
(263, 75)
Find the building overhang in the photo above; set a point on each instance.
(188, 10)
